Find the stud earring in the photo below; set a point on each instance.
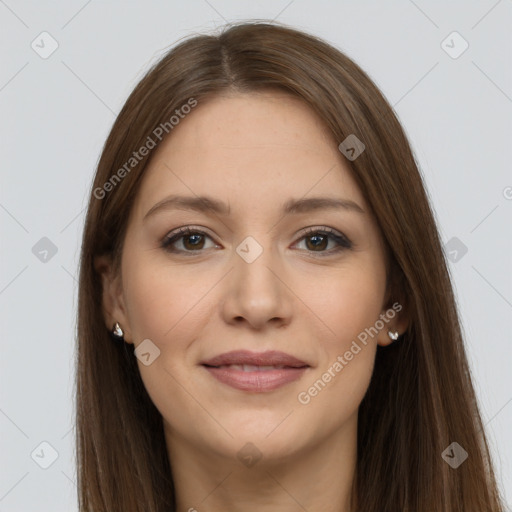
(393, 335)
(117, 331)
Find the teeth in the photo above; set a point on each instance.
(251, 367)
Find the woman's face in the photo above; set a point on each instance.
(273, 269)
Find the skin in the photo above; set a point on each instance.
(254, 152)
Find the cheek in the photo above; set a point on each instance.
(335, 392)
(349, 306)
(163, 302)
(347, 303)
(170, 307)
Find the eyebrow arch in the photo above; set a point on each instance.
(205, 204)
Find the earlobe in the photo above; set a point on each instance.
(396, 325)
(390, 335)
(393, 335)
(112, 295)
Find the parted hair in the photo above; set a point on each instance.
(421, 397)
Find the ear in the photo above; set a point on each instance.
(395, 319)
(395, 314)
(113, 305)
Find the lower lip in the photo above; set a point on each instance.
(257, 381)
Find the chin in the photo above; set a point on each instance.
(269, 433)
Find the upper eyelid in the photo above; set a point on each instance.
(303, 232)
(185, 230)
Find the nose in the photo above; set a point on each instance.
(256, 293)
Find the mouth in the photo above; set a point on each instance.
(255, 372)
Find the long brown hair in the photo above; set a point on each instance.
(421, 396)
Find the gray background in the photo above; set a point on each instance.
(55, 115)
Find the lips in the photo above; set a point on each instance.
(256, 372)
(244, 357)
(251, 367)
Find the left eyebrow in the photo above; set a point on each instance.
(205, 204)
(320, 203)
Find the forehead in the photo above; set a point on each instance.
(241, 117)
(258, 148)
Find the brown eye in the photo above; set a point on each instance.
(191, 240)
(317, 241)
(194, 241)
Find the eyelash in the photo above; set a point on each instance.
(342, 241)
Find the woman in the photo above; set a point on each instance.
(266, 319)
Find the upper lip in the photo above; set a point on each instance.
(269, 358)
